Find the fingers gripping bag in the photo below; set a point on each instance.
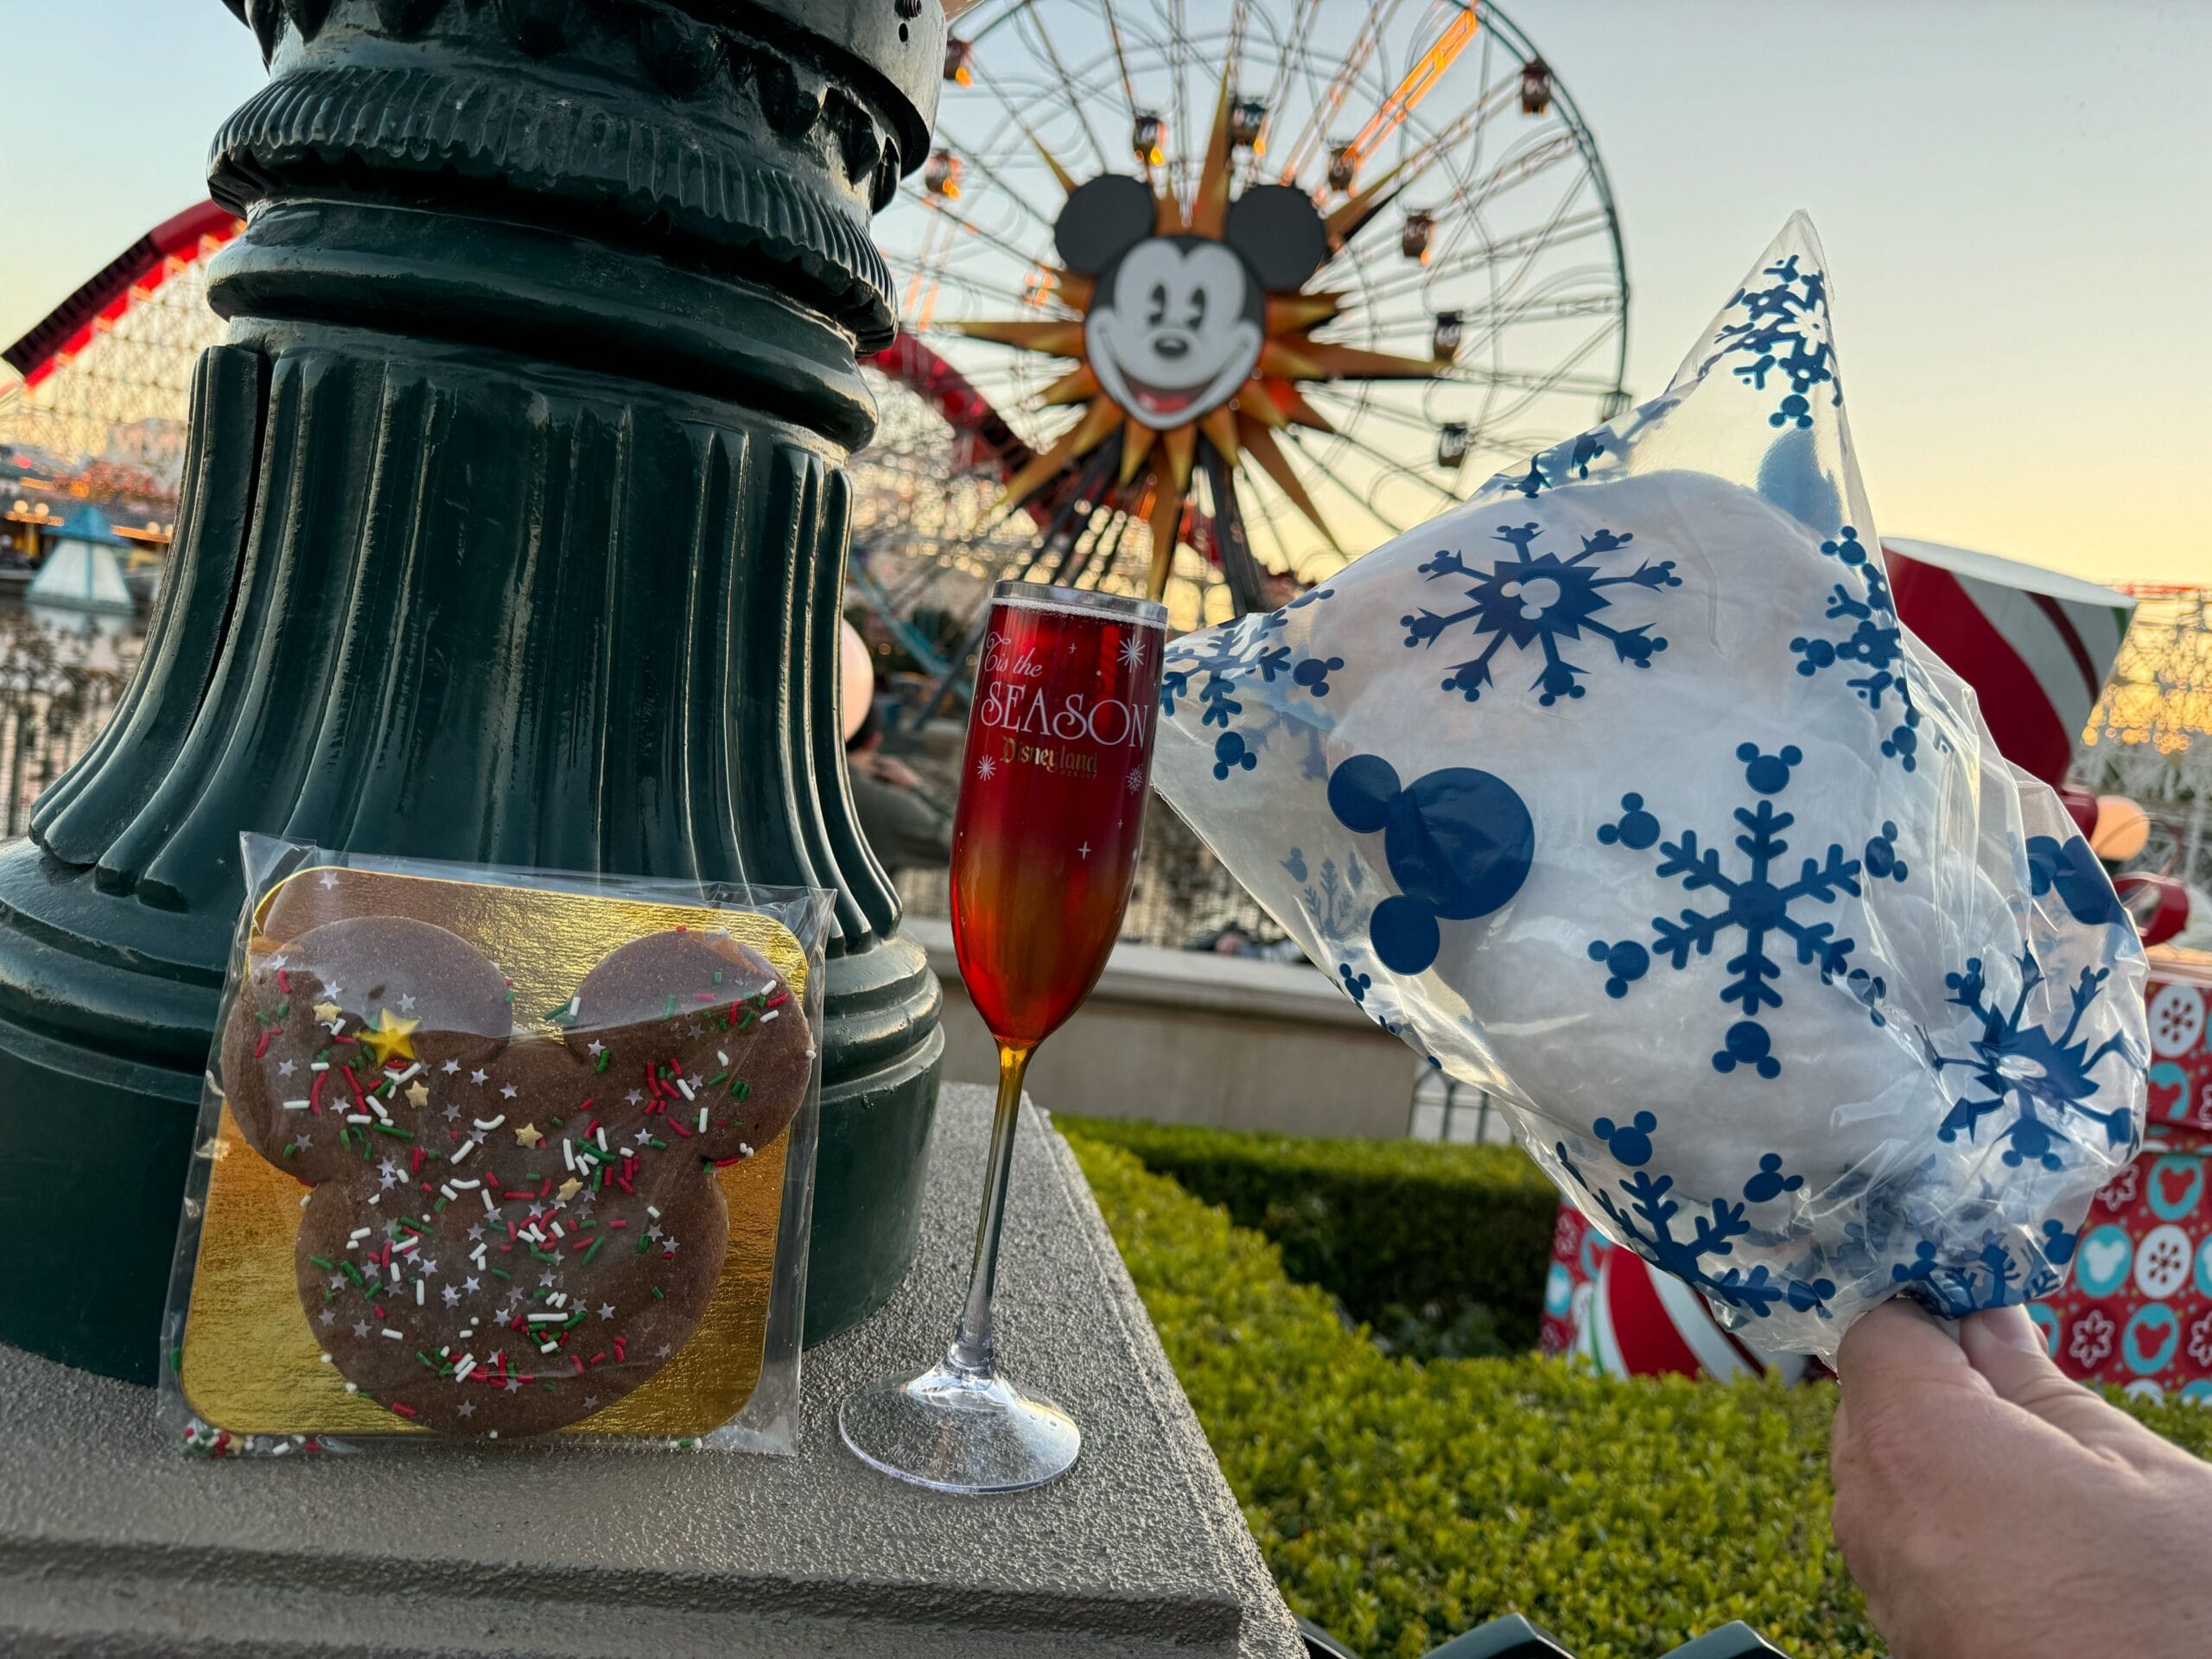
(1621, 793)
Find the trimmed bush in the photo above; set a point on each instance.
(1399, 1503)
(1438, 1249)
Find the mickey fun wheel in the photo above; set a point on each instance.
(1198, 302)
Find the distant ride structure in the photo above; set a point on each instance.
(1201, 301)
(93, 406)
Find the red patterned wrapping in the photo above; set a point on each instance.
(2137, 1309)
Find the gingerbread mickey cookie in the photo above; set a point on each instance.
(507, 1233)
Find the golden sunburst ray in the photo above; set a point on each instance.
(1260, 444)
(1136, 443)
(1292, 401)
(1077, 385)
(1210, 203)
(1059, 336)
(1294, 314)
(1179, 444)
(1061, 175)
(1314, 361)
(1167, 522)
(1079, 440)
(1219, 426)
(1350, 216)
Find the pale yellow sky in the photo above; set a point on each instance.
(2013, 198)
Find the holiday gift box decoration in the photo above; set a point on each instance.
(2136, 1306)
(489, 1153)
(1691, 854)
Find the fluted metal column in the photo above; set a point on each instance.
(513, 529)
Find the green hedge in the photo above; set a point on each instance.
(1399, 1503)
(1439, 1248)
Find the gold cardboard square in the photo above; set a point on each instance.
(251, 1362)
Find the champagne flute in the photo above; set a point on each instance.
(1044, 848)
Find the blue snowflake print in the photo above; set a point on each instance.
(1332, 898)
(1757, 903)
(1529, 599)
(2035, 1079)
(1993, 1277)
(1220, 668)
(1875, 643)
(1647, 1223)
(1783, 330)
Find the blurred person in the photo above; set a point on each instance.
(905, 826)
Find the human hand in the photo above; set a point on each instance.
(895, 772)
(1993, 1508)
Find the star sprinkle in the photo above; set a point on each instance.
(452, 1296)
(607, 1310)
(450, 1067)
(470, 1284)
(417, 1096)
(569, 1188)
(328, 880)
(361, 1327)
(479, 1076)
(285, 1068)
(391, 1036)
(467, 1409)
(528, 1135)
(508, 1091)
(326, 1012)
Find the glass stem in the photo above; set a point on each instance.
(972, 1343)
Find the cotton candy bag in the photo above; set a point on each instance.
(1621, 793)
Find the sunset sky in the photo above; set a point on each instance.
(2012, 197)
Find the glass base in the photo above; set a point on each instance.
(955, 1430)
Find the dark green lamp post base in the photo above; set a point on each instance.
(513, 532)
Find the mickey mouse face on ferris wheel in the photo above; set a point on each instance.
(1176, 321)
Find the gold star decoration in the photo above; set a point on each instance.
(391, 1037)
(417, 1096)
(569, 1188)
(326, 1013)
(528, 1135)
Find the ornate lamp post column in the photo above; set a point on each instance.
(513, 528)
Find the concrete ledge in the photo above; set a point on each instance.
(112, 1542)
(1182, 1037)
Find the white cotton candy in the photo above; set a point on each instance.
(1695, 726)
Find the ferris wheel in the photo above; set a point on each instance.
(1200, 301)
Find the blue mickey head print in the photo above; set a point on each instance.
(2148, 1341)
(2070, 869)
(1458, 843)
